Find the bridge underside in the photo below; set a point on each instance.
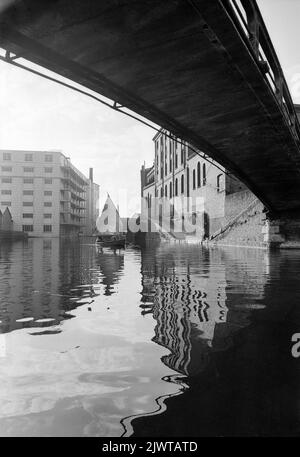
(181, 64)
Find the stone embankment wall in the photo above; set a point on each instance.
(244, 221)
(237, 202)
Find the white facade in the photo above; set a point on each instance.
(44, 192)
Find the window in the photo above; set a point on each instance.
(27, 203)
(48, 204)
(27, 228)
(194, 179)
(182, 154)
(6, 168)
(171, 190)
(28, 180)
(162, 192)
(27, 215)
(6, 192)
(176, 160)
(47, 228)
(204, 174)
(28, 157)
(6, 180)
(166, 190)
(5, 203)
(48, 192)
(27, 192)
(47, 215)
(220, 183)
(182, 184)
(198, 175)
(28, 169)
(6, 156)
(48, 169)
(48, 180)
(48, 158)
(176, 186)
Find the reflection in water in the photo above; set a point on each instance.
(172, 341)
(187, 305)
(45, 279)
(242, 379)
(111, 263)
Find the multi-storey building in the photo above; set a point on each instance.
(179, 173)
(45, 193)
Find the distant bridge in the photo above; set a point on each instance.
(204, 69)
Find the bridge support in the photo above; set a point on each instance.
(282, 231)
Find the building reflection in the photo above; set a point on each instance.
(248, 384)
(188, 305)
(111, 263)
(42, 280)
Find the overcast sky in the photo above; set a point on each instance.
(38, 114)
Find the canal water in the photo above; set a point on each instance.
(169, 341)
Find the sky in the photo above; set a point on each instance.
(37, 114)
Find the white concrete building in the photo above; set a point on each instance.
(46, 195)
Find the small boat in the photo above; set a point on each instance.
(109, 225)
(116, 241)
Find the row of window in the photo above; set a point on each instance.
(8, 180)
(28, 169)
(161, 145)
(199, 175)
(28, 157)
(29, 228)
(30, 216)
(46, 204)
(25, 192)
(164, 191)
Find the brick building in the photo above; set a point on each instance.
(180, 173)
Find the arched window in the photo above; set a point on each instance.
(220, 183)
(194, 179)
(176, 186)
(204, 174)
(166, 190)
(182, 184)
(170, 193)
(198, 175)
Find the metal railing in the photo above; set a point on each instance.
(248, 19)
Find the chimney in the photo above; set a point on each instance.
(91, 174)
